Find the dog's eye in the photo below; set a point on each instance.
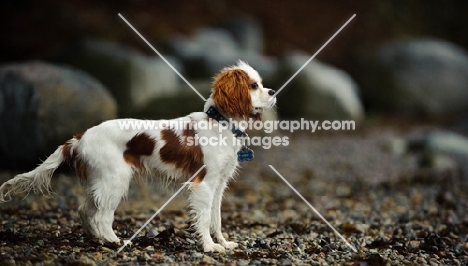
(254, 86)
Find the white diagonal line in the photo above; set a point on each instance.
(126, 242)
(312, 207)
(162, 57)
(312, 57)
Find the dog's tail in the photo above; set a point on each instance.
(38, 180)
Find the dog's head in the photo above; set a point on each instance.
(238, 92)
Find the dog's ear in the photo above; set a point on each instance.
(231, 93)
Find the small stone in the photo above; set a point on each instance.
(209, 260)
(23, 222)
(197, 255)
(433, 262)
(413, 245)
(421, 260)
(465, 246)
(9, 262)
(105, 249)
(242, 263)
(149, 248)
(350, 228)
(255, 263)
(84, 260)
(158, 255)
(296, 250)
(298, 241)
(343, 191)
(260, 242)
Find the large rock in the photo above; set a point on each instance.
(446, 142)
(247, 32)
(441, 150)
(418, 76)
(177, 105)
(43, 105)
(212, 49)
(133, 78)
(319, 91)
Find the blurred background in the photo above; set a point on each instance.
(67, 65)
(399, 67)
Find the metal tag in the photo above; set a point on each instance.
(245, 154)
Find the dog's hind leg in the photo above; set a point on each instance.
(105, 191)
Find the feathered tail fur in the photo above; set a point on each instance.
(37, 180)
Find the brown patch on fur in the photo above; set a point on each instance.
(199, 177)
(80, 169)
(78, 136)
(189, 158)
(140, 145)
(231, 93)
(73, 159)
(66, 152)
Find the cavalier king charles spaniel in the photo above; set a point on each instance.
(106, 157)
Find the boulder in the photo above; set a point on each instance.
(247, 32)
(133, 78)
(446, 142)
(212, 49)
(218, 49)
(319, 91)
(205, 53)
(426, 76)
(441, 150)
(43, 105)
(176, 105)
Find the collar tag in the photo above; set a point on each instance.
(245, 154)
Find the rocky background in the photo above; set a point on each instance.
(395, 186)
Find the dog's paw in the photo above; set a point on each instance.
(214, 248)
(111, 240)
(111, 244)
(126, 242)
(230, 244)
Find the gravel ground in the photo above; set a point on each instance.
(392, 210)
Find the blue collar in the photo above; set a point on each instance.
(216, 115)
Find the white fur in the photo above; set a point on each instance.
(109, 175)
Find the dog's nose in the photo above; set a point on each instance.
(271, 92)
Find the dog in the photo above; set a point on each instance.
(106, 157)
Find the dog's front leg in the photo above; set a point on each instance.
(201, 199)
(216, 217)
